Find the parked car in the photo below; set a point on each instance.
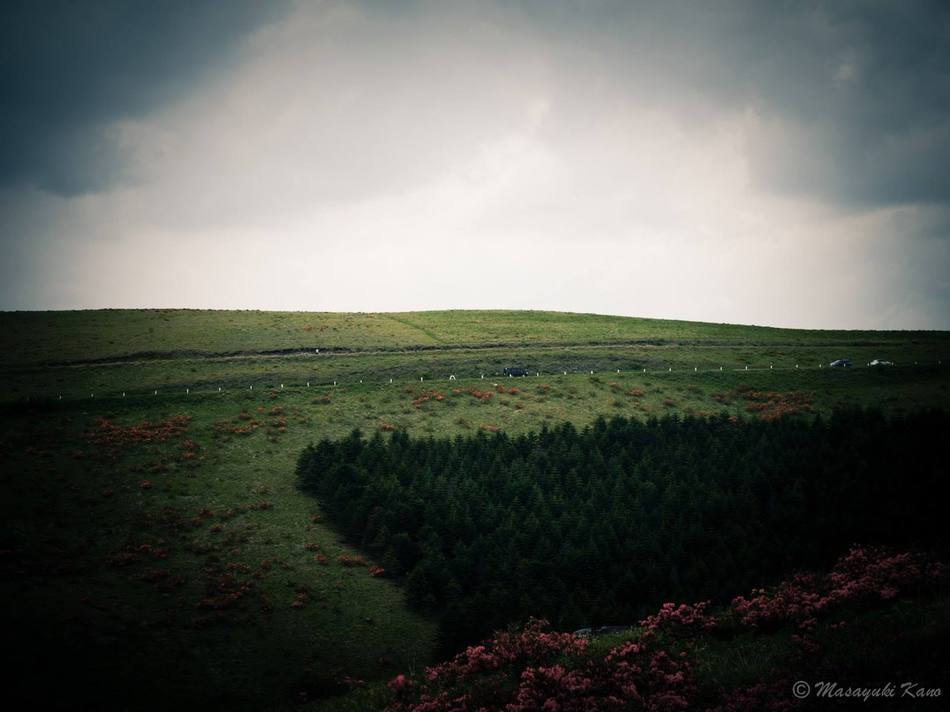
(879, 362)
(840, 363)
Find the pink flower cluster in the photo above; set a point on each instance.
(878, 572)
(555, 687)
(684, 620)
(630, 676)
(531, 645)
(863, 575)
(530, 670)
(535, 670)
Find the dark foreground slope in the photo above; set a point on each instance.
(871, 633)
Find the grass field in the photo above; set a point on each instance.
(152, 564)
(56, 337)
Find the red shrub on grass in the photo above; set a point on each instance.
(347, 560)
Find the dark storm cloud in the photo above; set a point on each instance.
(854, 97)
(867, 88)
(70, 69)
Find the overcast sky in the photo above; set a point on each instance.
(775, 163)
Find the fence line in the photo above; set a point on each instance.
(456, 379)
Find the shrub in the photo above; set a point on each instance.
(347, 560)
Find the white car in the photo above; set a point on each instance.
(879, 362)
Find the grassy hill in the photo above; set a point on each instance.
(119, 333)
(74, 354)
(156, 548)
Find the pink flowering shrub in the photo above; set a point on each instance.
(864, 575)
(536, 670)
(798, 598)
(531, 670)
(532, 645)
(555, 687)
(681, 621)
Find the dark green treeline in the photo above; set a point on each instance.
(600, 525)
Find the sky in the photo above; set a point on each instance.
(777, 163)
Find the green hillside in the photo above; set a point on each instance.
(56, 337)
(159, 538)
(75, 354)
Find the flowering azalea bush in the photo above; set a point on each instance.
(531, 645)
(864, 575)
(536, 669)
(629, 677)
(684, 620)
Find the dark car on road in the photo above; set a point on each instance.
(840, 363)
(515, 371)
